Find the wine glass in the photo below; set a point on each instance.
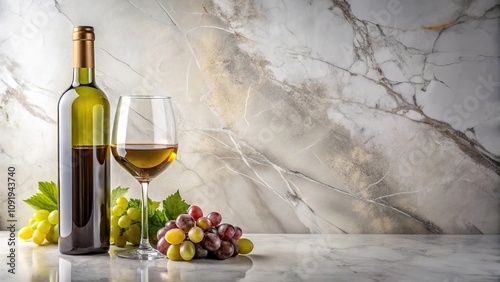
(144, 143)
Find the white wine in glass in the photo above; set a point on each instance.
(144, 143)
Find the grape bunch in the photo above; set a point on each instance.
(193, 235)
(125, 223)
(43, 225)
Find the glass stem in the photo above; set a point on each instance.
(144, 217)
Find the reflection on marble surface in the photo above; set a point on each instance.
(294, 116)
(286, 257)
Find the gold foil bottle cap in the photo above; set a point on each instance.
(83, 33)
(83, 47)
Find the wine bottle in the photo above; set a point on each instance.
(83, 148)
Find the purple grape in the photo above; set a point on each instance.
(200, 252)
(170, 225)
(225, 251)
(237, 233)
(195, 212)
(161, 233)
(226, 231)
(211, 229)
(185, 222)
(162, 245)
(215, 218)
(236, 247)
(211, 242)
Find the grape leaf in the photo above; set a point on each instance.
(156, 221)
(49, 189)
(134, 203)
(153, 204)
(41, 202)
(156, 218)
(117, 193)
(174, 205)
(47, 200)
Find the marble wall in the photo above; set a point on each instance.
(294, 116)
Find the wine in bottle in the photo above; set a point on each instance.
(83, 148)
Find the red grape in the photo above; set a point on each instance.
(211, 229)
(215, 218)
(226, 231)
(237, 233)
(211, 242)
(220, 240)
(161, 233)
(236, 247)
(225, 251)
(162, 245)
(184, 222)
(170, 224)
(195, 212)
(200, 252)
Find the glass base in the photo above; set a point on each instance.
(142, 254)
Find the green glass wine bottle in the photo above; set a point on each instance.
(83, 148)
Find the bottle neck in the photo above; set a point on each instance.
(83, 76)
(83, 61)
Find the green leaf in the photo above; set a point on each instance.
(156, 218)
(117, 193)
(152, 207)
(134, 203)
(49, 189)
(174, 205)
(41, 202)
(47, 200)
(153, 204)
(156, 221)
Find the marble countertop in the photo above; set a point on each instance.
(280, 257)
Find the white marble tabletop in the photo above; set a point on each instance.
(281, 258)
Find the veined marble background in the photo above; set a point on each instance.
(294, 116)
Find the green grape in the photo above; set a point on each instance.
(32, 220)
(43, 226)
(49, 235)
(114, 231)
(121, 240)
(195, 234)
(124, 221)
(204, 223)
(26, 232)
(134, 214)
(55, 234)
(118, 210)
(135, 230)
(187, 250)
(173, 252)
(122, 202)
(38, 237)
(133, 238)
(34, 225)
(134, 234)
(114, 220)
(53, 217)
(40, 215)
(175, 236)
(246, 246)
